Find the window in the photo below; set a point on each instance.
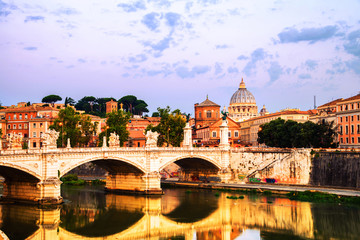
(26, 116)
(41, 134)
(9, 126)
(340, 119)
(9, 117)
(138, 144)
(20, 126)
(352, 129)
(25, 126)
(25, 135)
(208, 114)
(341, 130)
(199, 114)
(14, 116)
(352, 118)
(358, 139)
(34, 134)
(346, 119)
(41, 124)
(352, 140)
(229, 134)
(20, 116)
(14, 126)
(34, 144)
(34, 125)
(346, 129)
(347, 140)
(214, 134)
(358, 117)
(236, 134)
(358, 128)
(341, 140)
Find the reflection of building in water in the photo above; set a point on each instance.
(146, 220)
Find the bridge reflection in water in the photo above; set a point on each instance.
(91, 214)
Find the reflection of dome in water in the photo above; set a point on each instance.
(242, 104)
(242, 95)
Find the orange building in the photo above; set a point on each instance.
(348, 120)
(206, 113)
(136, 129)
(111, 106)
(209, 136)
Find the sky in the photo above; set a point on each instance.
(178, 52)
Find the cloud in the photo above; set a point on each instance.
(153, 72)
(161, 3)
(352, 45)
(257, 55)
(30, 48)
(66, 11)
(184, 72)
(311, 64)
(242, 57)
(222, 46)
(275, 71)
(133, 7)
(80, 60)
(4, 9)
(232, 70)
(292, 35)
(354, 65)
(172, 19)
(34, 18)
(138, 58)
(218, 68)
(151, 21)
(304, 76)
(160, 46)
(208, 2)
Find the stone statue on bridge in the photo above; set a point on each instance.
(49, 138)
(151, 138)
(114, 140)
(14, 140)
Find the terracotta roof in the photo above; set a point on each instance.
(331, 103)
(28, 109)
(207, 102)
(351, 98)
(309, 112)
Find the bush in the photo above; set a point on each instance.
(69, 177)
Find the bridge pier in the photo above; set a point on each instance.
(134, 183)
(43, 192)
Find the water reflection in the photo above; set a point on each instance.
(89, 214)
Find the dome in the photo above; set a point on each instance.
(242, 95)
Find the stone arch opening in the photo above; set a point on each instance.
(194, 169)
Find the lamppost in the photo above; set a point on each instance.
(62, 133)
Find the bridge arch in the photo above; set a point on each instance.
(102, 162)
(205, 160)
(11, 170)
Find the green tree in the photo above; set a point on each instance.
(51, 99)
(140, 107)
(129, 102)
(170, 127)
(289, 134)
(116, 123)
(155, 114)
(69, 101)
(74, 126)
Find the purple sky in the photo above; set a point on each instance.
(176, 52)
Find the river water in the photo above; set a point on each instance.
(89, 213)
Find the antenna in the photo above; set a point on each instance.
(314, 102)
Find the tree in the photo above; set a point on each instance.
(51, 99)
(69, 101)
(140, 107)
(170, 127)
(129, 102)
(155, 114)
(74, 126)
(116, 123)
(289, 134)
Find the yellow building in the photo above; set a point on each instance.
(242, 104)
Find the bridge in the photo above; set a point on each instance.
(34, 174)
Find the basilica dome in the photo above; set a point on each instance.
(242, 95)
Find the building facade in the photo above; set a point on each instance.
(206, 113)
(348, 120)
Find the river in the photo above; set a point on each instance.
(89, 213)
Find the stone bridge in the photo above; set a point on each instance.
(34, 174)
